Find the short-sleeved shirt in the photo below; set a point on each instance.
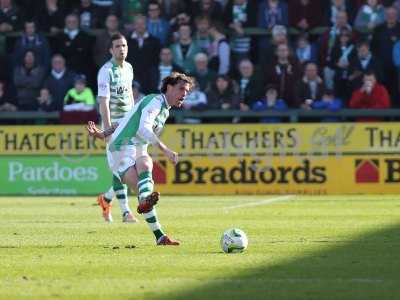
(143, 124)
(115, 82)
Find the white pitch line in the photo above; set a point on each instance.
(263, 202)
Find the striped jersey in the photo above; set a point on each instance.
(115, 82)
(143, 124)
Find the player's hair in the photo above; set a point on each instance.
(174, 79)
(114, 37)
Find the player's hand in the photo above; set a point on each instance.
(171, 155)
(94, 131)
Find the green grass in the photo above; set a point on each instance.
(325, 247)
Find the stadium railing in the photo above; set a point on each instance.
(179, 116)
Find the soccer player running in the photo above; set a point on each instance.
(115, 101)
(129, 142)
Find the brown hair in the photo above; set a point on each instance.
(114, 37)
(174, 79)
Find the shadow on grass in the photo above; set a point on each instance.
(367, 267)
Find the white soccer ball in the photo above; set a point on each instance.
(234, 240)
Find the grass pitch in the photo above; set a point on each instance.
(325, 247)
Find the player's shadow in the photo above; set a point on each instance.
(367, 267)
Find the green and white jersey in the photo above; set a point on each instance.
(143, 124)
(115, 82)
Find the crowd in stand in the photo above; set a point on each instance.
(314, 54)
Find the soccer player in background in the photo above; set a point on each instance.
(128, 157)
(115, 101)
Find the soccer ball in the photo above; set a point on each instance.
(234, 240)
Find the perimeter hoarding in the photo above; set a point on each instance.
(215, 159)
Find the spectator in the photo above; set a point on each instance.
(342, 53)
(304, 14)
(28, 78)
(184, 51)
(50, 18)
(284, 73)
(136, 91)
(103, 39)
(223, 94)
(103, 8)
(219, 51)
(165, 67)
(172, 8)
(334, 8)
(80, 97)
(31, 40)
(156, 25)
(143, 54)
(271, 13)
(128, 10)
(329, 103)
(364, 62)
(328, 40)
(384, 38)
(371, 95)
(195, 100)
(7, 100)
(238, 15)
(203, 75)
(271, 102)
(249, 84)
(202, 33)
(310, 86)
(182, 19)
(87, 12)
(45, 100)
(10, 16)
(305, 51)
(267, 52)
(209, 8)
(76, 46)
(58, 82)
(369, 16)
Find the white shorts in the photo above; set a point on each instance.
(120, 161)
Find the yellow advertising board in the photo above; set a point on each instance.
(280, 175)
(218, 139)
(312, 158)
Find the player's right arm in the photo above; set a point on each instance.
(103, 88)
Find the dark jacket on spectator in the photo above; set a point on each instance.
(310, 12)
(251, 92)
(285, 78)
(229, 99)
(144, 58)
(38, 44)
(28, 83)
(58, 89)
(46, 19)
(77, 52)
(357, 70)
(303, 90)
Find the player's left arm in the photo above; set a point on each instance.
(145, 130)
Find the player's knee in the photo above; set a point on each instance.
(144, 163)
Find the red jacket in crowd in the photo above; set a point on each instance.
(377, 99)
